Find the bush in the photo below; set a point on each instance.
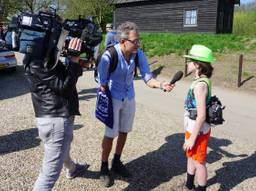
(245, 22)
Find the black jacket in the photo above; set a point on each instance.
(54, 91)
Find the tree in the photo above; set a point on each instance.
(101, 9)
(35, 5)
(8, 8)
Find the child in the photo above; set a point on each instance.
(197, 129)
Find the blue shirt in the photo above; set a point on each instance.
(120, 81)
(111, 38)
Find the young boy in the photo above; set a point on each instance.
(197, 129)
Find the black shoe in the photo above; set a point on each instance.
(119, 168)
(105, 178)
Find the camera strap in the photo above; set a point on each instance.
(60, 44)
(61, 41)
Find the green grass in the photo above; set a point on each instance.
(246, 74)
(165, 43)
(159, 44)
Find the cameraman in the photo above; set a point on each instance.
(55, 101)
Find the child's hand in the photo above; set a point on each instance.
(189, 144)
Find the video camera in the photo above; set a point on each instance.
(87, 31)
(39, 33)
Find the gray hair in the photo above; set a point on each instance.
(125, 28)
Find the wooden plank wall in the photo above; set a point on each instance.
(167, 16)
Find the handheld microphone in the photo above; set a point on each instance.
(176, 77)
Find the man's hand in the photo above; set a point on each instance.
(103, 88)
(74, 49)
(167, 87)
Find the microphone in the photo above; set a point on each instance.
(176, 77)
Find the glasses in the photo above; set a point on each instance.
(135, 42)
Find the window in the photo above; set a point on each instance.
(190, 18)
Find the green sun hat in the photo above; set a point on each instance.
(200, 53)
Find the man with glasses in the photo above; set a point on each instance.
(120, 84)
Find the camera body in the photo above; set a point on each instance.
(38, 34)
(87, 31)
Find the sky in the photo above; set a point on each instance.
(247, 1)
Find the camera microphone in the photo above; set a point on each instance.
(176, 77)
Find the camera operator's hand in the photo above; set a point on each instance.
(74, 49)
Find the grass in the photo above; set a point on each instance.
(245, 22)
(159, 44)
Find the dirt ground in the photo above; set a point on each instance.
(153, 151)
(225, 69)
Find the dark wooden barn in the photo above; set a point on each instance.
(213, 16)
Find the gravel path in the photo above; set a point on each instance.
(153, 150)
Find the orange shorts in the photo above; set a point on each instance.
(199, 151)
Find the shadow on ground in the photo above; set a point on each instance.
(78, 126)
(22, 140)
(245, 80)
(159, 166)
(87, 94)
(19, 140)
(13, 84)
(235, 172)
(157, 71)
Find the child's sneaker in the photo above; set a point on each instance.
(80, 168)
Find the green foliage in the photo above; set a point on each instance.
(102, 9)
(165, 43)
(8, 8)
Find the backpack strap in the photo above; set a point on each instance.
(136, 60)
(113, 59)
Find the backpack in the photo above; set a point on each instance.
(214, 108)
(32, 42)
(113, 61)
(215, 111)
